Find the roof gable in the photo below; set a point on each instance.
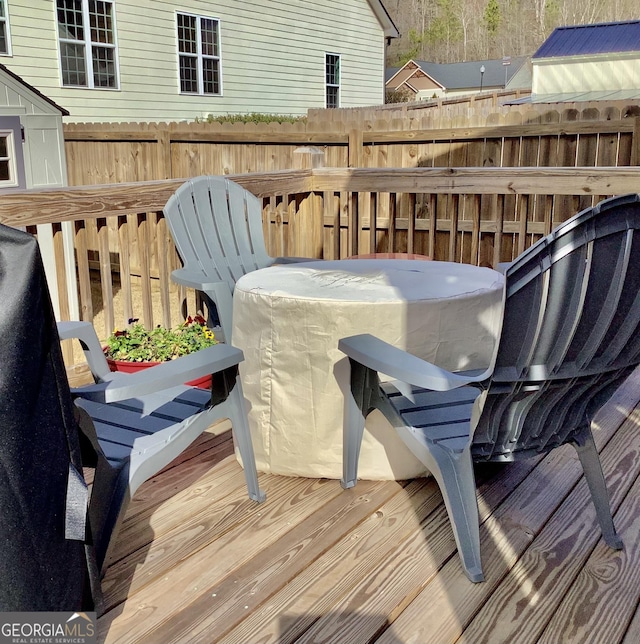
(31, 89)
(390, 30)
(602, 38)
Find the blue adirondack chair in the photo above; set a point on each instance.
(570, 336)
(216, 226)
(146, 419)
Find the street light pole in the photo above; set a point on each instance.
(482, 70)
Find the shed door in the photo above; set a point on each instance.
(12, 175)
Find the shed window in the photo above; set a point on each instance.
(332, 80)
(86, 33)
(5, 38)
(199, 54)
(8, 174)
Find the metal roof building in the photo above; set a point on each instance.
(584, 40)
(588, 62)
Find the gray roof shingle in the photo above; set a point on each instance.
(463, 75)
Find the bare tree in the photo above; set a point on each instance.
(455, 30)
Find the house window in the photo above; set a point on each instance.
(8, 174)
(86, 32)
(5, 37)
(199, 54)
(332, 72)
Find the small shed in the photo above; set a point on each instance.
(32, 155)
(31, 131)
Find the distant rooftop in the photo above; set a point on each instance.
(467, 74)
(602, 38)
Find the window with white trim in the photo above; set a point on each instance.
(332, 80)
(199, 54)
(87, 38)
(5, 36)
(8, 171)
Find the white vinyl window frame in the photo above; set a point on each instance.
(89, 50)
(5, 31)
(199, 60)
(8, 165)
(332, 72)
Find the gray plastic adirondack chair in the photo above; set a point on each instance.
(144, 420)
(570, 337)
(216, 226)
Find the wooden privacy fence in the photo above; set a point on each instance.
(117, 153)
(475, 215)
(484, 103)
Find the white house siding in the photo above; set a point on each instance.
(586, 74)
(273, 57)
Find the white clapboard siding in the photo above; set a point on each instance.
(273, 58)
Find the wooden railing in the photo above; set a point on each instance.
(473, 215)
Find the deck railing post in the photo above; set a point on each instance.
(308, 158)
(306, 224)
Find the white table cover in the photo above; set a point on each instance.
(288, 320)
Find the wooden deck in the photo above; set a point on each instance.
(196, 561)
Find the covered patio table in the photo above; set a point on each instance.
(288, 320)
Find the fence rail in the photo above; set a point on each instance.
(121, 153)
(472, 215)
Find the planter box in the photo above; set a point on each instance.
(132, 367)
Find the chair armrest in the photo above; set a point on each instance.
(165, 375)
(294, 260)
(195, 279)
(400, 365)
(502, 267)
(86, 334)
(220, 292)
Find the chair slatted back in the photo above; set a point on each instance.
(217, 227)
(570, 335)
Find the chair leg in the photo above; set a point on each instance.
(108, 504)
(453, 471)
(592, 467)
(242, 435)
(362, 398)
(352, 432)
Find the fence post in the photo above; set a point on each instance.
(635, 142)
(163, 142)
(356, 155)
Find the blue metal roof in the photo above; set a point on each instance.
(602, 38)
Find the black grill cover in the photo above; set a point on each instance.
(40, 569)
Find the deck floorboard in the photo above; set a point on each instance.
(196, 561)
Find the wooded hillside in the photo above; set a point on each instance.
(447, 31)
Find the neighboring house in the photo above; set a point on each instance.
(423, 80)
(588, 62)
(158, 60)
